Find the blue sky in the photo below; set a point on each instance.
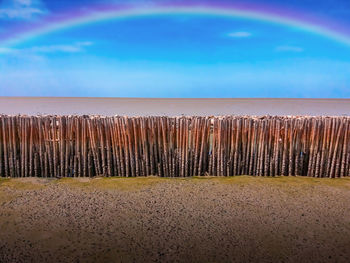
(180, 55)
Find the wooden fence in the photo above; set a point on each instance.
(74, 146)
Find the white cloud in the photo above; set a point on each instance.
(240, 34)
(5, 50)
(73, 48)
(21, 9)
(289, 49)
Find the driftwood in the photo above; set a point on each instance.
(76, 146)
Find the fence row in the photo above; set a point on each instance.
(75, 146)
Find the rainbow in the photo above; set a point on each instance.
(105, 13)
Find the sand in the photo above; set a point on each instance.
(173, 107)
(241, 219)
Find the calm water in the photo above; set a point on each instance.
(173, 107)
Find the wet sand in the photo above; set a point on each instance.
(240, 219)
(173, 107)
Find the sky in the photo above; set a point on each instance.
(176, 49)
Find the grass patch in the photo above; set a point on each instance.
(22, 183)
(113, 183)
(137, 183)
(4, 195)
(282, 181)
(3, 180)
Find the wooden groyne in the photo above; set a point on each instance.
(76, 146)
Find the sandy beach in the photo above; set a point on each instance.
(172, 107)
(240, 219)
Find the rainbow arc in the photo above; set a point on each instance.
(99, 14)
